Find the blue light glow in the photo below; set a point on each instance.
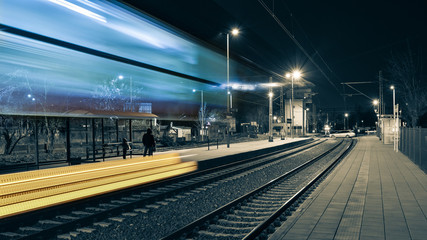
(59, 79)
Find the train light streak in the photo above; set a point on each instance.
(80, 10)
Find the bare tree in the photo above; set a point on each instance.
(202, 116)
(13, 129)
(405, 69)
(109, 93)
(52, 128)
(261, 116)
(11, 99)
(114, 92)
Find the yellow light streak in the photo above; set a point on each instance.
(29, 191)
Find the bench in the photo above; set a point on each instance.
(75, 161)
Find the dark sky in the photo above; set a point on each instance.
(348, 40)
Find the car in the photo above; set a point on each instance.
(342, 133)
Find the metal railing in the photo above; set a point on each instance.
(413, 143)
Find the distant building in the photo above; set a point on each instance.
(304, 110)
(137, 107)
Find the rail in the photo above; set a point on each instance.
(204, 221)
(173, 185)
(265, 224)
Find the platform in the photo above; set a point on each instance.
(237, 151)
(201, 154)
(31, 190)
(374, 193)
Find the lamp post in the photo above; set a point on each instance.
(270, 116)
(345, 120)
(201, 111)
(294, 75)
(121, 77)
(376, 103)
(234, 32)
(395, 129)
(36, 130)
(305, 121)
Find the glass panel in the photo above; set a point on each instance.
(52, 139)
(17, 140)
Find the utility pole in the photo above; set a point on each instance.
(282, 113)
(202, 112)
(270, 113)
(381, 94)
(228, 74)
(292, 108)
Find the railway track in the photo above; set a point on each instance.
(53, 221)
(256, 214)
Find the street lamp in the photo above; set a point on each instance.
(345, 117)
(294, 75)
(121, 77)
(234, 32)
(305, 121)
(270, 116)
(376, 103)
(31, 97)
(395, 128)
(201, 110)
(36, 130)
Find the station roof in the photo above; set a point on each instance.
(94, 114)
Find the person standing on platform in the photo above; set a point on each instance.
(126, 147)
(149, 143)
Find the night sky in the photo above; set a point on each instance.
(349, 41)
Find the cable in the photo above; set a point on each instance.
(297, 43)
(358, 91)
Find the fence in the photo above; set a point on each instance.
(413, 143)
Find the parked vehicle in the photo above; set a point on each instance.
(342, 133)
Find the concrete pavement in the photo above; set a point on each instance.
(374, 193)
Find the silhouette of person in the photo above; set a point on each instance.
(149, 143)
(125, 146)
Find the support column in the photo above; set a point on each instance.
(102, 139)
(68, 139)
(93, 140)
(36, 136)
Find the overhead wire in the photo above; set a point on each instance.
(298, 44)
(358, 91)
(311, 43)
(308, 38)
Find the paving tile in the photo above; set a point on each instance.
(374, 193)
(319, 235)
(374, 221)
(325, 229)
(371, 237)
(372, 231)
(397, 235)
(296, 236)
